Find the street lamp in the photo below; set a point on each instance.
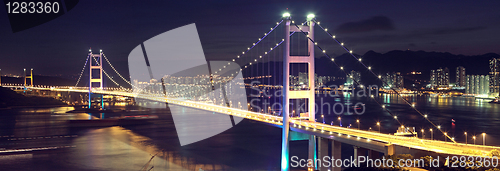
(474, 137)
(484, 140)
(322, 116)
(432, 134)
(465, 138)
(357, 121)
(445, 136)
(422, 133)
(378, 124)
(340, 122)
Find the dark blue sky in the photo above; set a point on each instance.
(228, 27)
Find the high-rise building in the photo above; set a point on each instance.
(394, 80)
(477, 84)
(353, 77)
(440, 77)
(446, 74)
(303, 78)
(433, 80)
(460, 77)
(494, 76)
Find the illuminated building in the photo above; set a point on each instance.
(460, 77)
(394, 80)
(440, 77)
(477, 84)
(494, 76)
(353, 77)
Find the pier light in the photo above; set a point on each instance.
(378, 124)
(465, 133)
(286, 14)
(484, 140)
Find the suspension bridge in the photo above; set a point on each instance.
(197, 92)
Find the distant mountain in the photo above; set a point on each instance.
(45, 80)
(9, 98)
(393, 61)
(408, 61)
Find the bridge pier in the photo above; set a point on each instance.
(324, 149)
(359, 151)
(373, 154)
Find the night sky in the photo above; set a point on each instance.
(228, 27)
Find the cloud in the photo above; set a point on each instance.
(371, 24)
(440, 31)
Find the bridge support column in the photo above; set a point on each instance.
(322, 153)
(312, 149)
(336, 154)
(358, 151)
(392, 149)
(285, 164)
(373, 154)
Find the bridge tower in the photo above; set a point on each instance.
(297, 94)
(28, 77)
(97, 58)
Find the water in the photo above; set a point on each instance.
(247, 146)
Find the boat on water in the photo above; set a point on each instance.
(495, 101)
(356, 107)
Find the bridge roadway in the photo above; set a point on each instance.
(362, 138)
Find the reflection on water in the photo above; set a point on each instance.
(110, 148)
(474, 116)
(116, 148)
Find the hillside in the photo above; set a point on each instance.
(9, 98)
